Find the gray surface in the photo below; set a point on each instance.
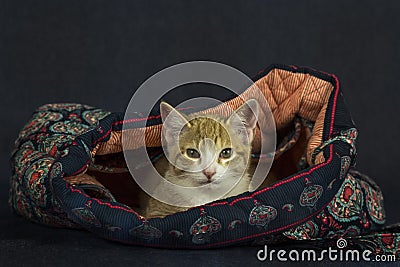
(98, 52)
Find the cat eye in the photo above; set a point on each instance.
(226, 153)
(192, 153)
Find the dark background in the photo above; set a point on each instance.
(99, 52)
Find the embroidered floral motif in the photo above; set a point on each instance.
(310, 195)
(204, 227)
(93, 116)
(352, 230)
(69, 126)
(344, 166)
(350, 137)
(365, 223)
(304, 231)
(19, 201)
(55, 170)
(25, 157)
(347, 204)
(40, 120)
(145, 231)
(389, 242)
(327, 223)
(261, 215)
(85, 215)
(35, 176)
(374, 203)
(48, 142)
(35, 149)
(384, 243)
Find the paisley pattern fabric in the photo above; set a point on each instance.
(346, 215)
(47, 135)
(314, 207)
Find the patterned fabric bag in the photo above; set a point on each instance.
(68, 170)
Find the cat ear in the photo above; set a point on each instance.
(245, 115)
(173, 120)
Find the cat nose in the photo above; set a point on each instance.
(209, 174)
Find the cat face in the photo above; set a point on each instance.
(206, 150)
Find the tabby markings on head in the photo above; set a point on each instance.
(205, 149)
(208, 153)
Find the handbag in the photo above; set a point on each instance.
(68, 171)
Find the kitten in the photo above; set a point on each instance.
(203, 150)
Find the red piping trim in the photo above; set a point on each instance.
(227, 241)
(136, 119)
(99, 201)
(82, 168)
(102, 137)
